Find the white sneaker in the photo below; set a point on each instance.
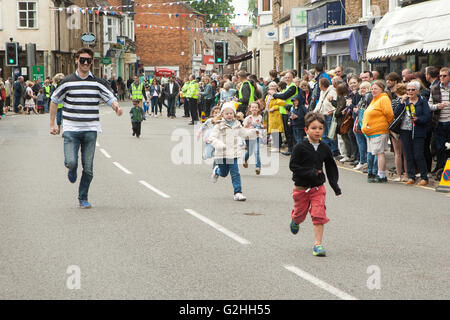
(398, 179)
(359, 166)
(239, 197)
(344, 159)
(214, 175)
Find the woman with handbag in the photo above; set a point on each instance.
(414, 123)
(397, 92)
(344, 121)
(377, 118)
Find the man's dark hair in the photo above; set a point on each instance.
(312, 116)
(84, 50)
(394, 76)
(319, 67)
(324, 82)
(369, 72)
(273, 73)
(432, 71)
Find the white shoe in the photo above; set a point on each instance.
(359, 166)
(344, 159)
(398, 179)
(239, 197)
(274, 150)
(214, 175)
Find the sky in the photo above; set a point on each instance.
(240, 6)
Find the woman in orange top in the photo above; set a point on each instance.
(377, 118)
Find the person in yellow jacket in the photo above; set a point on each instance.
(184, 98)
(275, 126)
(193, 93)
(377, 118)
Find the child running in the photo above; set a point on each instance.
(224, 139)
(137, 115)
(306, 164)
(253, 121)
(206, 130)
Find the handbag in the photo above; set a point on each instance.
(332, 129)
(347, 124)
(395, 125)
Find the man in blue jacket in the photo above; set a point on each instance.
(316, 90)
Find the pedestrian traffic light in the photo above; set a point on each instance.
(12, 54)
(219, 52)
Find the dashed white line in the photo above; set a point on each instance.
(319, 283)
(158, 192)
(106, 154)
(118, 165)
(218, 227)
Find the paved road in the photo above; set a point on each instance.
(158, 230)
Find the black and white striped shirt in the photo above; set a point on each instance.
(81, 99)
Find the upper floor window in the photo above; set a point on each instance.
(27, 14)
(366, 9)
(110, 30)
(266, 5)
(92, 23)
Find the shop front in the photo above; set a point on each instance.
(288, 44)
(412, 37)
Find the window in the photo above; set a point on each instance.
(366, 8)
(27, 15)
(394, 4)
(92, 23)
(195, 47)
(266, 5)
(110, 30)
(132, 30)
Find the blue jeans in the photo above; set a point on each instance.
(361, 140)
(73, 141)
(333, 144)
(372, 164)
(155, 101)
(46, 105)
(253, 147)
(415, 156)
(146, 106)
(299, 134)
(231, 166)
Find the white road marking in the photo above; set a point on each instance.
(105, 153)
(218, 227)
(118, 165)
(319, 283)
(158, 192)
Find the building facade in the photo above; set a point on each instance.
(172, 39)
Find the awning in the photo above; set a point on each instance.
(353, 36)
(424, 27)
(243, 57)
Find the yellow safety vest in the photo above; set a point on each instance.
(193, 89)
(136, 91)
(60, 105)
(185, 90)
(47, 91)
(288, 101)
(252, 92)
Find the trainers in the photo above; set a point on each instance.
(294, 227)
(84, 204)
(72, 176)
(358, 166)
(214, 175)
(380, 180)
(410, 182)
(318, 250)
(371, 178)
(345, 159)
(239, 197)
(422, 183)
(258, 171)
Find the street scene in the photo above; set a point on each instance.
(225, 150)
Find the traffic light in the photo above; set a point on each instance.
(12, 54)
(219, 52)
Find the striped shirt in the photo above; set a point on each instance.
(81, 99)
(445, 95)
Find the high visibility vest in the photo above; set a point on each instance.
(136, 91)
(47, 91)
(60, 105)
(252, 92)
(288, 100)
(193, 89)
(185, 91)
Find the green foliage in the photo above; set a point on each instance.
(253, 12)
(216, 7)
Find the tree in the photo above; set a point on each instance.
(252, 12)
(215, 8)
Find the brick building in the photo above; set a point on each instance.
(174, 46)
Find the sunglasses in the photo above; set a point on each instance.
(84, 60)
(410, 89)
(443, 75)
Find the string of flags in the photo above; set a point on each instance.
(203, 30)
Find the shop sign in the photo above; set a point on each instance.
(106, 61)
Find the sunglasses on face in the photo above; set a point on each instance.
(84, 60)
(443, 75)
(410, 89)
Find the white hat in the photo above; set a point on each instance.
(228, 105)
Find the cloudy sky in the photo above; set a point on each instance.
(241, 7)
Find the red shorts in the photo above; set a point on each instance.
(312, 200)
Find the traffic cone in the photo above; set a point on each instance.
(444, 185)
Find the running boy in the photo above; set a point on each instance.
(137, 115)
(306, 164)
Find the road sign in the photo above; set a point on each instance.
(38, 73)
(444, 185)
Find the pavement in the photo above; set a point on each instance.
(159, 229)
